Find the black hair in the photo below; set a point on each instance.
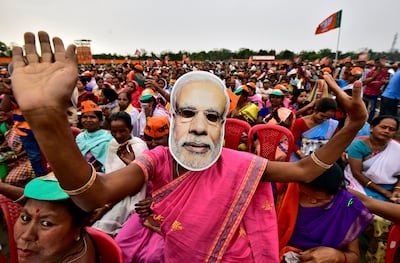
(326, 104)
(296, 93)
(379, 119)
(122, 116)
(98, 114)
(330, 182)
(128, 95)
(83, 80)
(79, 217)
(110, 94)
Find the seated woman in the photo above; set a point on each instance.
(320, 221)
(19, 170)
(51, 227)
(299, 103)
(244, 109)
(124, 104)
(82, 93)
(122, 150)
(276, 113)
(108, 102)
(93, 141)
(313, 131)
(373, 169)
(373, 161)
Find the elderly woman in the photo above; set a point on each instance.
(93, 142)
(51, 227)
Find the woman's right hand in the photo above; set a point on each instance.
(353, 105)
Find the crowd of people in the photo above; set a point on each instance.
(140, 149)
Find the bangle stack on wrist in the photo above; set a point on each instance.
(320, 163)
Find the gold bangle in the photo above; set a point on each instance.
(368, 183)
(319, 162)
(84, 187)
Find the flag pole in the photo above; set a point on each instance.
(337, 45)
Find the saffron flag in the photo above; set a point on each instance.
(363, 56)
(332, 22)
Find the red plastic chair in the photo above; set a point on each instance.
(234, 129)
(270, 137)
(11, 212)
(393, 246)
(109, 251)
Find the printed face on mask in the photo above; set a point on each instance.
(197, 126)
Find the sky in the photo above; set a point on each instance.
(122, 26)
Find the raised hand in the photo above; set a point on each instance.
(46, 81)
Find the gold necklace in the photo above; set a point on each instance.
(82, 251)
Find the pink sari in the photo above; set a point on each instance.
(222, 214)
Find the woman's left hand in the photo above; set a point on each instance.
(321, 255)
(126, 153)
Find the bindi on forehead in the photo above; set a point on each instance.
(37, 210)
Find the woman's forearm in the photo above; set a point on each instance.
(10, 191)
(52, 131)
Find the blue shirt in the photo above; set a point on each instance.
(392, 90)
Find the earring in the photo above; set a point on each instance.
(78, 238)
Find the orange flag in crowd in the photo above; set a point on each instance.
(363, 56)
(346, 59)
(325, 61)
(332, 22)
